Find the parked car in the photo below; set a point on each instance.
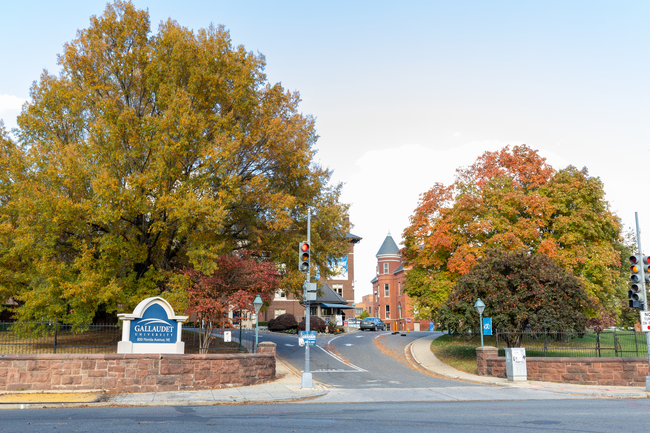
(373, 323)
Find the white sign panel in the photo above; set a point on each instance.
(645, 321)
(227, 336)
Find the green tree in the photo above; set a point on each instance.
(154, 152)
(521, 291)
(510, 200)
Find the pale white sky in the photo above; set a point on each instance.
(405, 92)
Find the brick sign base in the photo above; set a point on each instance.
(136, 372)
(583, 371)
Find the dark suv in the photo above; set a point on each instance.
(373, 323)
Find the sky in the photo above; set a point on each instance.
(405, 92)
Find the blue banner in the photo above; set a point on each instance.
(487, 326)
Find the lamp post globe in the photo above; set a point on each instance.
(479, 306)
(257, 303)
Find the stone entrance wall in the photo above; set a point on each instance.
(136, 372)
(584, 371)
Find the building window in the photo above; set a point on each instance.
(385, 268)
(280, 294)
(388, 311)
(279, 312)
(338, 288)
(370, 311)
(386, 290)
(399, 288)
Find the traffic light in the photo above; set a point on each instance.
(304, 253)
(636, 294)
(645, 262)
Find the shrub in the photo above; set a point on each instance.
(315, 324)
(283, 322)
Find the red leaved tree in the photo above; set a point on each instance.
(239, 277)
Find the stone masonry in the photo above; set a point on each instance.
(584, 371)
(136, 372)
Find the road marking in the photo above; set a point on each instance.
(349, 344)
(338, 371)
(290, 345)
(338, 358)
(360, 336)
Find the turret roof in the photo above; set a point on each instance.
(389, 247)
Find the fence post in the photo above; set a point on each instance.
(615, 344)
(545, 344)
(636, 344)
(56, 328)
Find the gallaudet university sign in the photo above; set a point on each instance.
(152, 328)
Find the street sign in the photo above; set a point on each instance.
(307, 338)
(409, 320)
(487, 326)
(430, 326)
(227, 336)
(645, 321)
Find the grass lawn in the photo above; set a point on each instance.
(459, 351)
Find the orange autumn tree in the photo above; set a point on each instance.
(511, 200)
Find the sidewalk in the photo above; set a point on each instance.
(287, 387)
(421, 352)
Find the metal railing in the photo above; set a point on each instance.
(613, 343)
(52, 337)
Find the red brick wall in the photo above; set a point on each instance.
(136, 372)
(584, 371)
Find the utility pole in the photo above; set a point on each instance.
(306, 375)
(643, 290)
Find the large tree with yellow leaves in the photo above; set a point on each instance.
(149, 153)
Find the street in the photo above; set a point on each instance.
(593, 415)
(359, 360)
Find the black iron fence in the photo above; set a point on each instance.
(614, 343)
(52, 337)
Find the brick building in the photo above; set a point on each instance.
(388, 300)
(336, 295)
(366, 304)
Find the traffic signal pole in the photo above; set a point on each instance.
(645, 297)
(306, 375)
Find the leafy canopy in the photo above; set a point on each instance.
(511, 200)
(149, 153)
(521, 291)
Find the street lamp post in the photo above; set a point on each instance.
(257, 303)
(479, 306)
(399, 309)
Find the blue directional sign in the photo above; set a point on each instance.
(309, 338)
(487, 326)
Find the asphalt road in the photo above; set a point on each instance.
(359, 360)
(593, 415)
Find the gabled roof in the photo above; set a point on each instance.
(399, 269)
(330, 296)
(353, 238)
(389, 247)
